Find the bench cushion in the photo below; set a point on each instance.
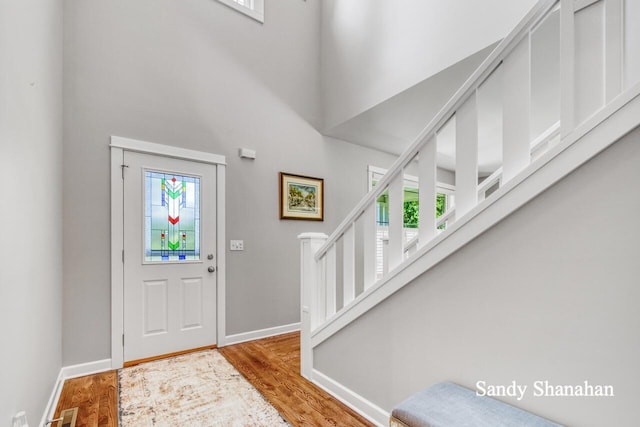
(450, 405)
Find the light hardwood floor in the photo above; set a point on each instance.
(272, 365)
(95, 396)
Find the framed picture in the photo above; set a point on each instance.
(301, 197)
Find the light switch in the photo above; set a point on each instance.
(237, 245)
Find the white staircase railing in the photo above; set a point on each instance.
(596, 46)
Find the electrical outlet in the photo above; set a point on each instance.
(237, 245)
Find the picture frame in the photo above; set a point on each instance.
(301, 197)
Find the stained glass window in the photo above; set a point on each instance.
(172, 217)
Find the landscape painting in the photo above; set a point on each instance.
(301, 197)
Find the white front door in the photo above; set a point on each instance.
(169, 255)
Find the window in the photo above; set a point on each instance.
(444, 200)
(252, 8)
(171, 217)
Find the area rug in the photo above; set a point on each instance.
(197, 389)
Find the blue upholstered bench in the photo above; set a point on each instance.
(449, 405)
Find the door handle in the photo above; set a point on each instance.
(211, 269)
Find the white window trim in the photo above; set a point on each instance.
(410, 181)
(256, 11)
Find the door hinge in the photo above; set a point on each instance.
(122, 169)
(123, 340)
(123, 256)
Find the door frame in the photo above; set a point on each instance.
(118, 146)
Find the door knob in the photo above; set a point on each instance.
(211, 269)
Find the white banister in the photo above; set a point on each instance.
(494, 59)
(599, 92)
(427, 192)
(331, 304)
(309, 281)
(596, 67)
(449, 214)
(369, 245)
(593, 63)
(543, 139)
(489, 182)
(330, 282)
(516, 152)
(385, 256)
(467, 157)
(396, 221)
(631, 43)
(589, 56)
(581, 4)
(546, 136)
(567, 67)
(349, 265)
(412, 245)
(598, 63)
(614, 47)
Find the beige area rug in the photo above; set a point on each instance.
(197, 389)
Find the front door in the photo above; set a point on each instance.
(169, 255)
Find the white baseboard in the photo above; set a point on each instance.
(261, 333)
(367, 409)
(88, 368)
(67, 372)
(53, 400)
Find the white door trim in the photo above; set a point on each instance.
(128, 144)
(118, 146)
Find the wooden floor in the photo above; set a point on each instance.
(95, 396)
(272, 365)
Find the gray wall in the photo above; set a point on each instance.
(373, 50)
(31, 207)
(199, 75)
(550, 293)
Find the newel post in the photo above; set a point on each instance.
(309, 245)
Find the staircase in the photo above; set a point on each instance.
(590, 104)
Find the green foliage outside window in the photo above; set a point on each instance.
(441, 200)
(411, 214)
(411, 209)
(441, 206)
